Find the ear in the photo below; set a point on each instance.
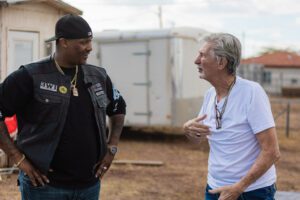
(63, 42)
(222, 63)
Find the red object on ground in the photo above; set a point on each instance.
(11, 124)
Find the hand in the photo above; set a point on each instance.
(35, 176)
(231, 192)
(103, 165)
(194, 129)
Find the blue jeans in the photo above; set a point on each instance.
(266, 193)
(29, 192)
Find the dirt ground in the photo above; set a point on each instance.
(182, 175)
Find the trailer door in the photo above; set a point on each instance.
(127, 65)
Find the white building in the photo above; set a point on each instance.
(24, 27)
(278, 72)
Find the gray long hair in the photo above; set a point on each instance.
(228, 46)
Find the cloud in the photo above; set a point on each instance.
(265, 23)
(257, 40)
(124, 2)
(278, 7)
(194, 16)
(297, 20)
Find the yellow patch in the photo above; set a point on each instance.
(63, 89)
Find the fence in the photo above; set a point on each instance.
(286, 113)
(4, 163)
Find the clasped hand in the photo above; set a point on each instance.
(194, 129)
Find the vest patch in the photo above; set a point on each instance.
(99, 93)
(48, 86)
(62, 89)
(116, 94)
(97, 89)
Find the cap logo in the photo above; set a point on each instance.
(89, 33)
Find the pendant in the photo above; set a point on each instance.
(75, 91)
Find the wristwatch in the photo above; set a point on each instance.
(113, 150)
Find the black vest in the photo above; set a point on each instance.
(42, 121)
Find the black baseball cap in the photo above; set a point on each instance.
(71, 27)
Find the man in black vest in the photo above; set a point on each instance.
(61, 104)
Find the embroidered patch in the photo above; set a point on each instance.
(62, 89)
(97, 89)
(48, 86)
(116, 93)
(115, 107)
(99, 93)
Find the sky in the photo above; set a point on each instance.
(259, 24)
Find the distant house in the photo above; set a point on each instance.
(24, 26)
(278, 72)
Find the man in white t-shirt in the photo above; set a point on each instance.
(236, 119)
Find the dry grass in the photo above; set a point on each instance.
(183, 175)
(178, 177)
(288, 168)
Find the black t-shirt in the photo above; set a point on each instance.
(70, 164)
(78, 149)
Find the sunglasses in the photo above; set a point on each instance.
(218, 118)
(219, 113)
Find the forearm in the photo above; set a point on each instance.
(6, 143)
(116, 124)
(264, 161)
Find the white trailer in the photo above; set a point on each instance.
(155, 72)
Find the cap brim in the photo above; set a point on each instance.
(51, 39)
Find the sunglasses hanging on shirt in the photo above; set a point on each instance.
(219, 114)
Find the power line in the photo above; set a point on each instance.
(160, 17)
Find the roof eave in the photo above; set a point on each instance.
(283, 66)
(55, 3)
(64, 6)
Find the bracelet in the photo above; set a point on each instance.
(1, 116)
(20, 161)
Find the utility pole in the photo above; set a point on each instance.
(160, 17)
(244, 44)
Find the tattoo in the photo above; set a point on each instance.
(116, 126)
(5, 141)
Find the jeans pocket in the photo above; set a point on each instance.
(266, 193)
(25, 182)
(209, 196)
(271, 190)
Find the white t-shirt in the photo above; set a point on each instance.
(234, 148)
